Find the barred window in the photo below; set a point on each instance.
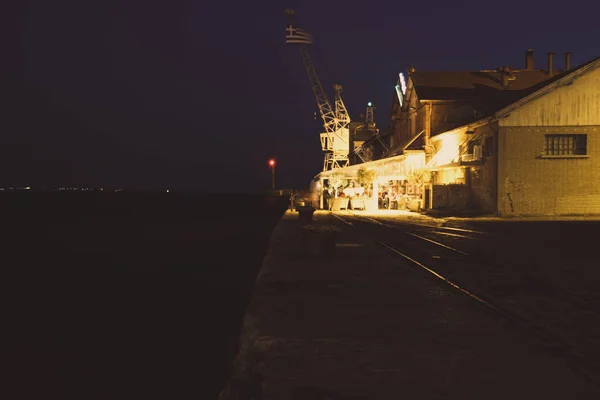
(565, 145)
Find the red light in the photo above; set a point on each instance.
(271, 162)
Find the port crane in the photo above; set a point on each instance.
(335, 140)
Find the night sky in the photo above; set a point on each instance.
(196, 95)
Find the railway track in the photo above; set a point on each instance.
(478, 256)
(424, 248)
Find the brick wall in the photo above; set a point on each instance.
(530, 184)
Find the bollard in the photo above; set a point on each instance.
(305, 214)
(320, 240)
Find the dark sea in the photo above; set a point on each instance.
(126, 295)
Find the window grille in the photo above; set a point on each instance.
(565, 145)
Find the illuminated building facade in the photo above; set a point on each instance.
(549, 148)
(507, 141)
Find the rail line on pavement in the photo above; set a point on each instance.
(387, 225)
(555, 291)
(402, 227)
(437, 230)
(555, 345)
(421, 225)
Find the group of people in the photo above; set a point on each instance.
(348, 198)
(392, 200)
(349, 192)
(389, 198)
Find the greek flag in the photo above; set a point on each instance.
(295, 35)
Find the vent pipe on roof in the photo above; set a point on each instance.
(567, 60)
(550, 57)
(506, 76)
(529, 60)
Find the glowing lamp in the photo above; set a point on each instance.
(272, 165)
(402, 83)
(369, 104)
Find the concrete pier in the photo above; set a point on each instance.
(363, 324)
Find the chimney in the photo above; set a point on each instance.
(529, 60)
(506, 76)
(567, 61)
(550, 57)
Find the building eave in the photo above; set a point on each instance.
(475, 124)
(452, 165)
(352, 169)
(433, 101)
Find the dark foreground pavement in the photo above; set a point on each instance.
(364, 325)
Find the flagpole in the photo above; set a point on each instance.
(290, 13)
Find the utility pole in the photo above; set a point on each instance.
(272, 165)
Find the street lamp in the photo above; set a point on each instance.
(272, 165)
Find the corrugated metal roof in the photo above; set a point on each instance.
(484, 88)
(476, 80)
(481, 87)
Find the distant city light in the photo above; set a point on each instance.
(369, 104)
(167, 190)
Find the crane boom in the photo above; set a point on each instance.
(335, 141)
(341, 113)
(327, 114)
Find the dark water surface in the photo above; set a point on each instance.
(122, 296)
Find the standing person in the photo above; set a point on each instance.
(326, 198)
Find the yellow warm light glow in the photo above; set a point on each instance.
(415, 162)
(448, 150)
